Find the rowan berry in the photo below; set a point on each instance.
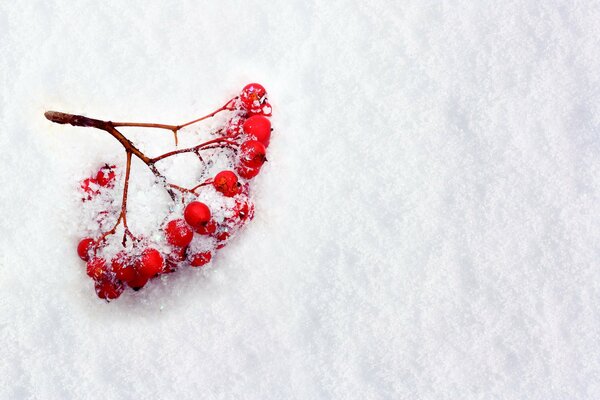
(151, 263)
(108, 290)
(200, 259)
(178, 233)
(96, 268)
(253, 154)
(122, 266)
(252, 96)
(90, 187)
(207, 229)
(222, 239)
(258, 127)
(106, 175)
(246, 172)
(138, 282)
(227, 183)
(177, 254)
(85, 247)
(196, 214)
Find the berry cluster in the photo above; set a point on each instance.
(201, 219)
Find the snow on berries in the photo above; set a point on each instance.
(84, 248)
(200, 220)
(178, 233)
(253, 154)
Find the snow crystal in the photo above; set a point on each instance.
(427, 226)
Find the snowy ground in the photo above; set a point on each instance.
(428, 226)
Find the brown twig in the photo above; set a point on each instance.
(131, 149)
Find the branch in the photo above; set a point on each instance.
(175, 128)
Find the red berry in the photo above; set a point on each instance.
(85, 247)
(178, 233)
(265, 109)
(227, 183)
(169, 267)
(196, 214)
(108, 290)
(244, 210)
(96, 268)
(259, 127)
(177, 254)
(151, 263)
(252, 96)
(247, 172)
(253, 154)
(200, 259)
(122, 266)
(207, 229)
(222, 239)
(234, 127)
(90, 187)
(138, 282)
(106, 175)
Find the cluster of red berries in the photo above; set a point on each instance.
(210, 215)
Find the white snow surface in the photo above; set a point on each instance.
(427, 226)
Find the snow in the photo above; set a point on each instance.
(427, 226)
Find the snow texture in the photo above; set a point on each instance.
(427, 226)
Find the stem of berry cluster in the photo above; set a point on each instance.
(131, 149)
(175, 128)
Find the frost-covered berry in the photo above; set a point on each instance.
(90, 188)
(244, 210)
(177, 254)
(178, 233)
(252, 96)
(122, 266)
(234, 127)
(106, 175)
(169, 267)
(108, 290)
(207, 229)
(227, 183)
(151, 262)
(222, 239)
(96, 268)
(253, 154)
(200, 259)
(246, 172)
(196, 214)
(85, 247)
(259, 128)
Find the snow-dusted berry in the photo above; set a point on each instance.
(259, 128)
(227, 183)
(85, 248)
(178, 233)
(197, 214)
(109, 290)
(151, 262)
(106, 175)
(252, 97)
(253, 154)
(96, 268)
(207, 229)
(200, 259)
(122, 266)
(246, 172)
